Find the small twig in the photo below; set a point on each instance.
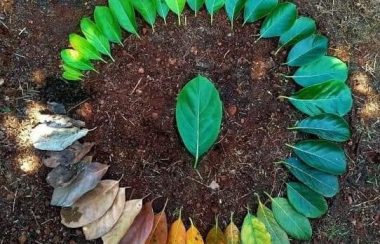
(22, 31)
(134, 89)
(75, 106)
(34, 216)
(198, 182)
(4, 24)
(14, 201)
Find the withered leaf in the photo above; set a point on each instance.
(63, 175)
(70, 155)
(91, 206)
(131, 209)
(86, 181)
(59, 121)
(141, 227)
(104, 224)
(216, 236)
(159, 234)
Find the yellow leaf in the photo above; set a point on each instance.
(193, 236)
(216, 236)
(177, 232)
(232, 233)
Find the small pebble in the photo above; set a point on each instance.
(2, 81)
(141, 70)
(172, 61)
(22, 239)
(155, 115)
(231, 110)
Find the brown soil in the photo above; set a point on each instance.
(136, 130)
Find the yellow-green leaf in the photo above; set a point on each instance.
(254, 231)
(216, 236)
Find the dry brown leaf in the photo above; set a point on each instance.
(91, 206)
(177, 233)
(131, 209)
(141, 227)
(71, 155)
(103, 225)
(159, 234)
(86, 181)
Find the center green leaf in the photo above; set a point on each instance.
(199, 116)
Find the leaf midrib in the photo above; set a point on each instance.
(315, 155)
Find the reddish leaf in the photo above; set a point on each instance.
(159, 234)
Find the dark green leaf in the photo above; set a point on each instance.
(294, 223)
(326, 126)
(76, 60)
(162, 9)
(302, 28)
(323, 155)
(233, 9)
(95, 37)
(308, 50)
(257, 9)
(279, 21)
(125, 14)
(107, 24)
(199, 116)
(265, 215)
(147, 9)
(330, 97)
(306, 201)
(87, 50)
(195, 5)
(323, 69)
(254, 231)
(213, 6)
(325, 184)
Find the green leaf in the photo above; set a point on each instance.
(294, 223)
(302, 28)
(162, 9)
(195, 5)
(177, 7)
(95, 37)
(233, 9)
(323, 69)
(125, 14)
(330, 97)
(107, 24)
(326, 126)
(308, 50)
(213, 6)
(199, 116)
(254, 231)
(265, 215)
(323, 155)
(87, 50)
(325, 184)
(71, 74)
(147, 9)
(257, 9)
(279, 21)
(76, 60)
(306, 201)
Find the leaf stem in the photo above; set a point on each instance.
(258, 39)
(278, 50)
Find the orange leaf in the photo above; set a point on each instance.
(177, 233)
(193, 236)
(159, 234)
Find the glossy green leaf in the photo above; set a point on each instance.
(279, 20)
(107, 24)
(199, 116)
(302, 28)
(254, 231)
(195, 5)
(71, 74)
(330, 97)
(87, 50)
(257, 9)
(147, 9)
(177, 6)
(325, 184)
(323, 155)
(306, 201)
(162, 9)
(213, 6)
(76, 60)
(326, 126)
(308, 50)
(233, 9)
(265, 215)
(125, 14)
(95, 37)
(323, 69)
(294, 223)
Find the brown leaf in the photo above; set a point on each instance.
(159, 234)
(91, 206)
(71, 155)
(141, 227)
(131, 209)
(103, 225)
(86, 181)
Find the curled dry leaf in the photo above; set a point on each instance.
(70, 155)
(63, 175)
(159, 234)
(141, 227)
(103, 225)
(49, 138)
(59, 121)
(177, 232)
(131, 209)
(86, 181)
(91, 206)
(193, 236)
